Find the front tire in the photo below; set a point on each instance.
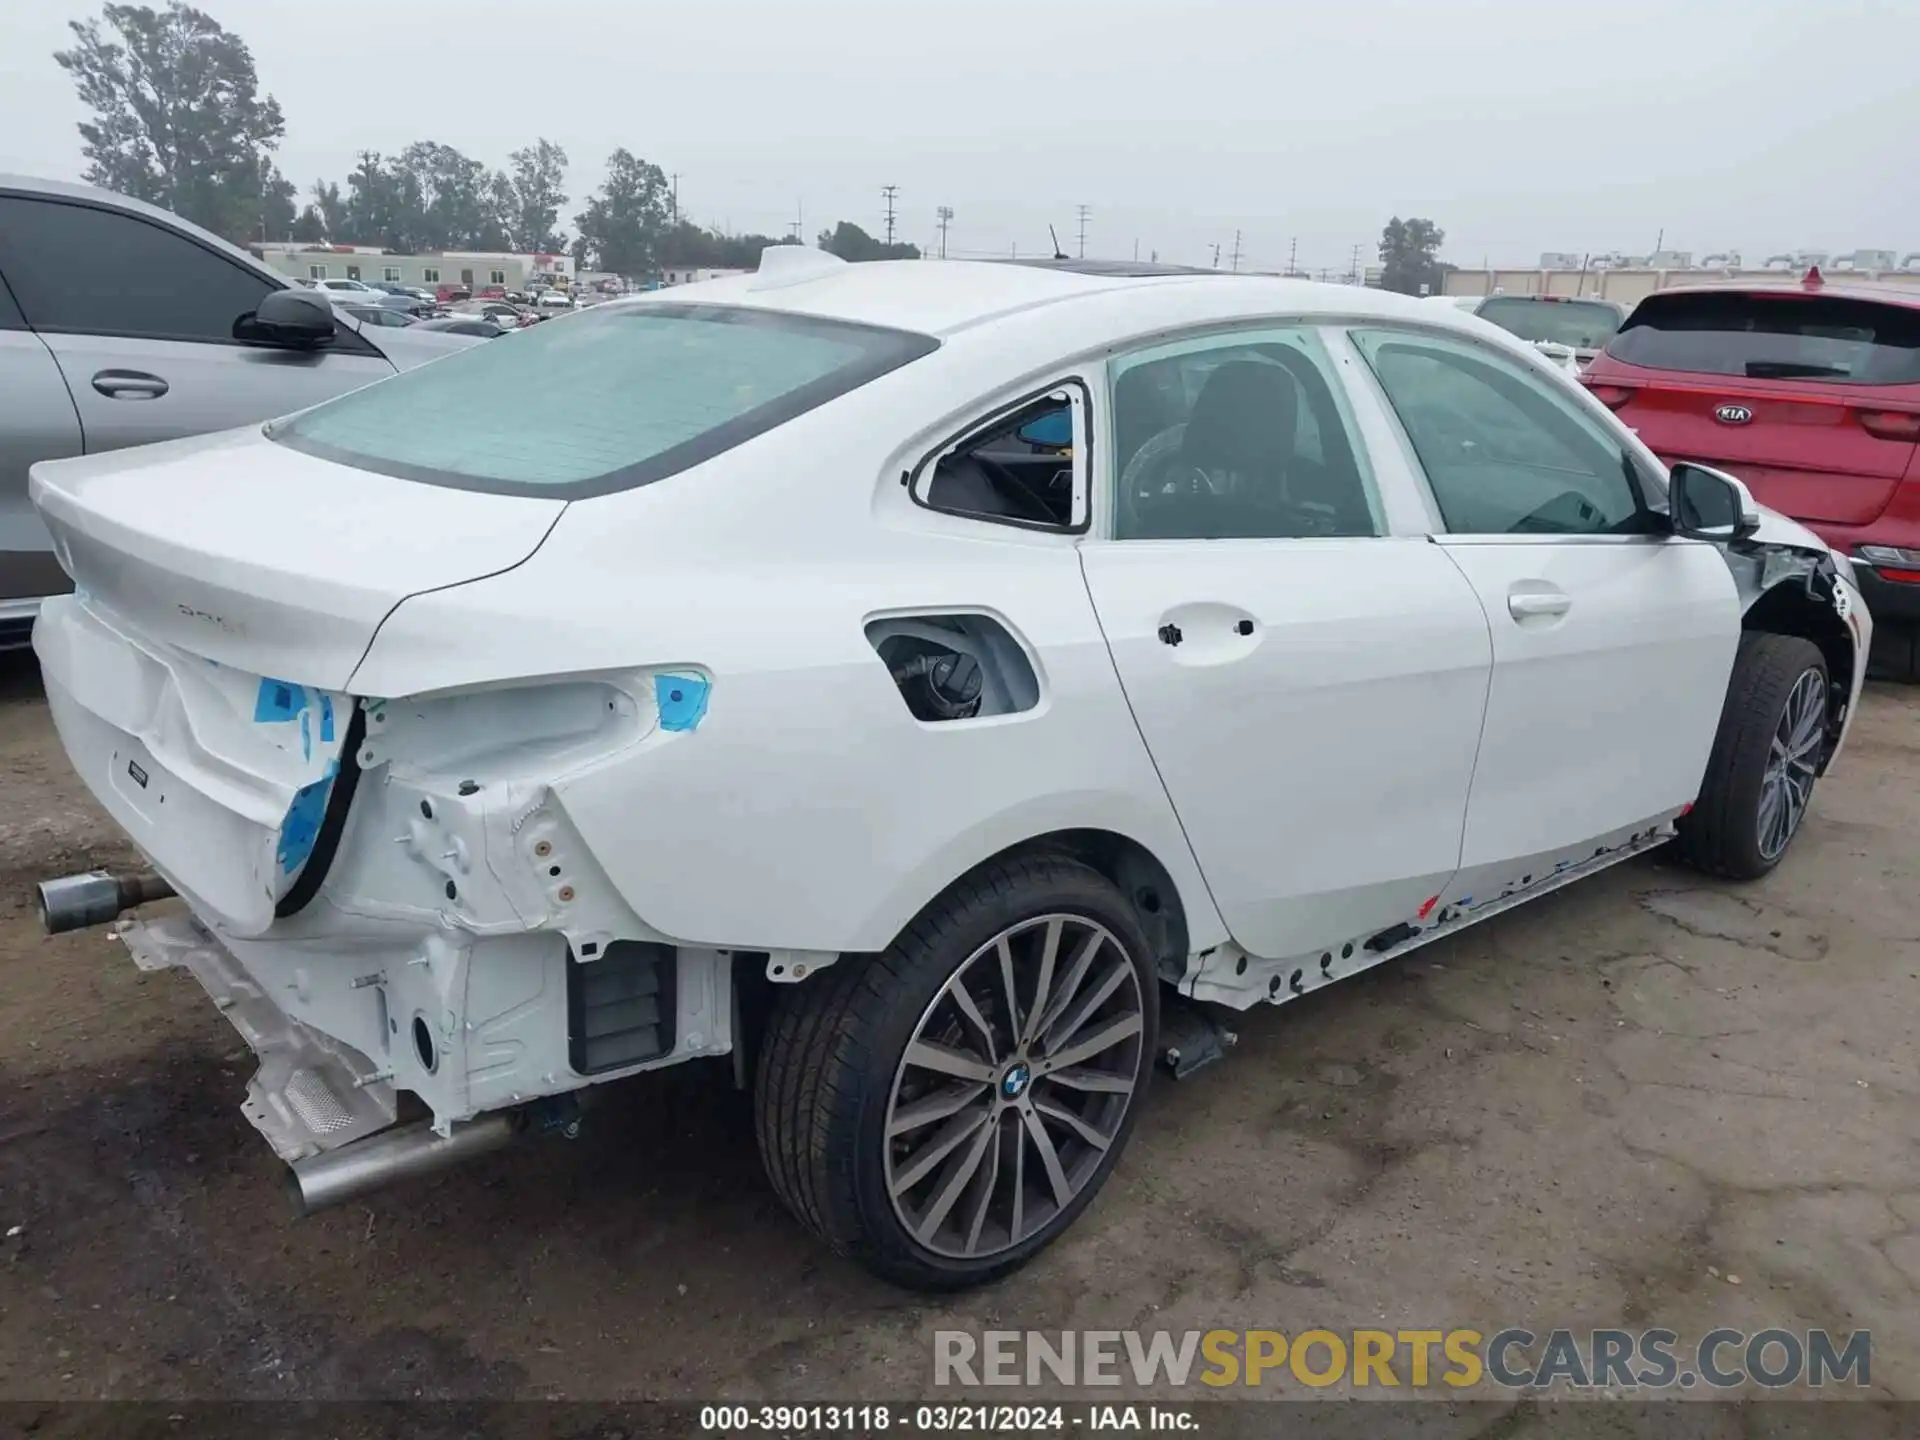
(1765, 758)
(944, 1111)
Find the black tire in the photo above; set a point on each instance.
(1721, 835)
(835, 1044)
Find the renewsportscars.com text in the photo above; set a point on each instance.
(1511, 1359)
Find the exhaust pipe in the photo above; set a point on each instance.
(408, 1150)
(99, 897)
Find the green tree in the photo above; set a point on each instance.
(384, 206)
(310, 227)
(330, 209)
(850, 242)
(458, 198)
(626, 219)
(691, 246)
(277, 205)
(534, 189)
(179, 119)
(1410, 256)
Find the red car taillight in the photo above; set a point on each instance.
(1891, 424)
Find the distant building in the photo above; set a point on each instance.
(475, 269)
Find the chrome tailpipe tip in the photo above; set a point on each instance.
(99, 897)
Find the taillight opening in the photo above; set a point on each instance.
(1611, 396)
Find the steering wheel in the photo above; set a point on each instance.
(1158, 479)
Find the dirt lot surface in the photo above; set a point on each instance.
(1647, 1100)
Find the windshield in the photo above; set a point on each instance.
(1785, 336)
(600, 401)
(1578, 324)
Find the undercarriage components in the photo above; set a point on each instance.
(98, 897)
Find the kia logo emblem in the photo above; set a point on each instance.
(1733, 414)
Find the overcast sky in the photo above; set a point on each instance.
(1517, 125)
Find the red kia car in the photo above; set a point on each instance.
(1810, 393)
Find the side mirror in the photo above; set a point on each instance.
(292, 319)
(1710, 504)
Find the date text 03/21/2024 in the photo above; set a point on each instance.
(939, 1419)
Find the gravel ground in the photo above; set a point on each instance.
(1646, 1100)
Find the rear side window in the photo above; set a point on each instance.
(601, 401)
(1783, 336)
(1577, 324)
(80, 270)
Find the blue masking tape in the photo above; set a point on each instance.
(301, 829)
(682, 700)
(278, 700)
(326, 719)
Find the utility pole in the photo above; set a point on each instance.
(945, 212)
(675, 177)
(890, 191)
(1084, 213)
(1353, 267)
(799, 231)
(1136, 248)
(1216, 254)
(1293, 255)
(1236, 250)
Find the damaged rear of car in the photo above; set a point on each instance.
(383, 893)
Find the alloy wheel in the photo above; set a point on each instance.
(1015, 1083)
(1792, 762)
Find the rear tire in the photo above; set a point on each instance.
(852, 1118)
(1760, 774)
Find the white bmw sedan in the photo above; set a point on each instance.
(910, 680)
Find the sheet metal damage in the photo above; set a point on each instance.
(455, 939)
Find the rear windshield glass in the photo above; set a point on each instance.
(1577, 324)
(600, 401)
(1774, 337)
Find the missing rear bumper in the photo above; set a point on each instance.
(311, 1093)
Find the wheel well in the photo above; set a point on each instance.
(1138, 876)
(1129, 865)
(1790, 609)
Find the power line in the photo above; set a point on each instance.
(1084, 213)
(945, 213)
(890, 191)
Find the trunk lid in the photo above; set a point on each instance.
(220, 777)
(268, 561)
(1801, 449)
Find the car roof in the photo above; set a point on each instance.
(112, 199)
(1858, 290)
(943, 297)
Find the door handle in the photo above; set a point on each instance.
(129, 385)
(1528, 604)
